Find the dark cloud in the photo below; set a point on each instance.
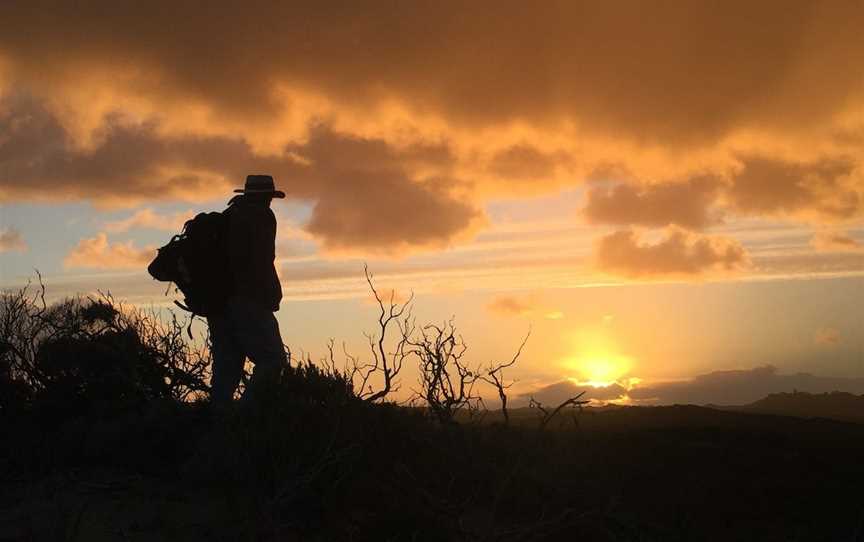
(392, 119)
(686, 204)
(677, 253)
(669, 71)
(819, 190)
(366, 195)
(741, 387)
(371, 198)
(523, 162)
(380, 214)
(132, 164)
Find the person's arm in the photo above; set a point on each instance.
(268, 250)
(262, 244)
(239, 251)
(268, 258)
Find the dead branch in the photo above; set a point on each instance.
(387, 365)
(495, 376)
(446, 380)
(547, 416)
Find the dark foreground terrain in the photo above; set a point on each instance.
(106, 435)
(310, 463)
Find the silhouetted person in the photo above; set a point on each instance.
(247, 326)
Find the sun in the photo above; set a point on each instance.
(598, 363)
(602, 371)
(599, 371)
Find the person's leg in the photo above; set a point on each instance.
(261, 341)
(228, 358)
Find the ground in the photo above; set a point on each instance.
(360, 472)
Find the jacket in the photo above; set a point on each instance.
(251, 243)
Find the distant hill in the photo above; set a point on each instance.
(834, 405)
(839, 406)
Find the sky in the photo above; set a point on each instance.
(669, 195)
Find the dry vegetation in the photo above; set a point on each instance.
(108, 435)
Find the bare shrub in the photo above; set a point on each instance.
(446, 380)
(23, 327)
(376, 379)
(94, 348)
(186, 364)
(494, 375)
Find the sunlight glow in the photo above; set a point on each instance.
(598, 363)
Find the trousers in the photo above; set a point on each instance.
(244, 329)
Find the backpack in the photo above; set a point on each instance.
(196, 260)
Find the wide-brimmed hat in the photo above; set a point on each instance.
(260, 184)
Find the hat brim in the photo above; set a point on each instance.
(274, 193)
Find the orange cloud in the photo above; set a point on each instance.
(98, 253)
(677, 253)
(701, 76)
(147, 218)
(835, 242)
(827, 336)
(515, 306)
(509, 305)
(357, 105)
(10, 239)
